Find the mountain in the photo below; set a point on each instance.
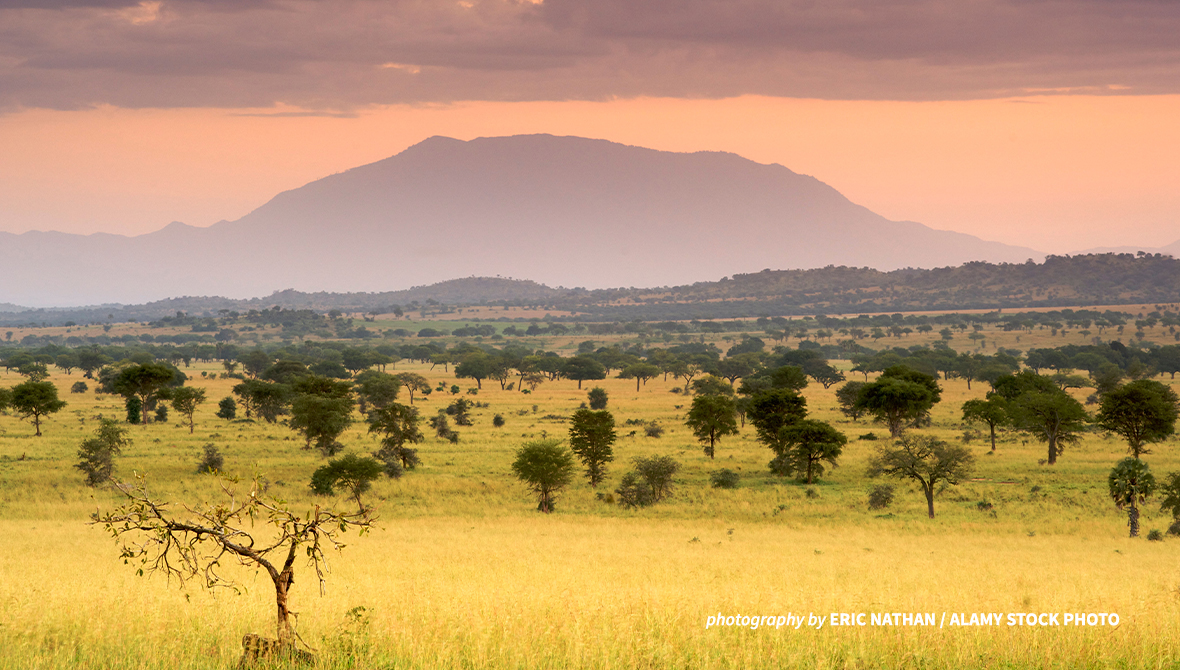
(564, 211)
(1172, 249)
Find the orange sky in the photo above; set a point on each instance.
(1057, 173)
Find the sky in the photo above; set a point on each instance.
(1032, 122)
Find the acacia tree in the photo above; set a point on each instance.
(34, 399)
(352, 472)
(1142, 412)
(927, 461)
(144, 382)
(846, 397)
(478, 366)
(1036, 406)
(414, 383)
(583, 368)
(1130, 483)
(376, 388)
(771, 410)
(807, 444)
(711, 417)
(398, 424)
(189, 542)
(185, 400)
(992, 412)
(899, 398)
(640, 372)
(591, 435)
(321, 411)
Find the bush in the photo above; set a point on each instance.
(724, 479)
(227, 409)
(650, 483)
(633, 492)
(653, 429)
(868, 436)
(657, 471)
(212, 462)
(1155, 535)
(546, 468)
(352, 472)
(460, 410)
(598, 398)
(442, 427)
(79, 387)
(134, 410)
(98, 453)
(161, 412)
(498, 421)
(811, 493)
(1174, 529)
(881, 497)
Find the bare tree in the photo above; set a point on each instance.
(189, 542)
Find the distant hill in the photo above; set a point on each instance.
(1060, 281)
(564, 211)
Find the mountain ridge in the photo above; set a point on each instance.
(562, 210)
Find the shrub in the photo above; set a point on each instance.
(98, 453)
(546, 467)
(881, 497)
(498, 421)
(161, 412)
(227, 409)
(79, 387)
(1155, 535)
(811, 493)
(442, 427)
(653, 429)
(868, 436)
(1174, 529)
(657, 471)
(650, 483)
(633, 492)
(984, 506)
(212, 462)
(460, 410)
(352, 472)
(724, 479)
(598, 398)
(134, 410)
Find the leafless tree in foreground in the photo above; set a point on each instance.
(257, 530)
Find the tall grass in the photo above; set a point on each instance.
(461, 573)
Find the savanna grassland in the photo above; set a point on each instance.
(462, 572)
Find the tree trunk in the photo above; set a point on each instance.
(286, 636)
(928, 489)
(993, 427)
(1053, 450)
(637, 384)
(809, 464)
(1133, 519)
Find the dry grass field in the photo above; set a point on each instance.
(461, 572)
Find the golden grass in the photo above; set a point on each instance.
(463, 574)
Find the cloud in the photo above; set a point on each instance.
(339, 55)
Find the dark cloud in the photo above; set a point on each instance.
(342, 54)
